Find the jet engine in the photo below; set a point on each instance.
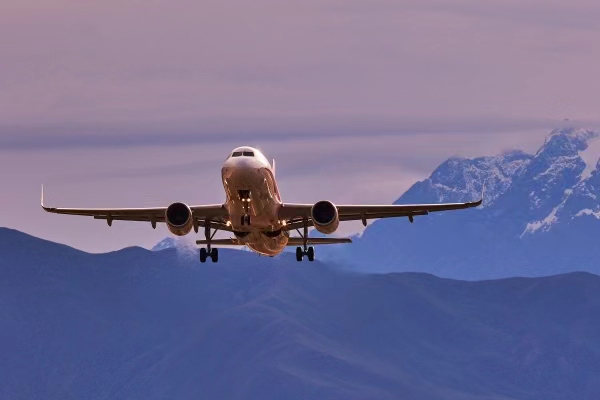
(179, 219)
(325, 217)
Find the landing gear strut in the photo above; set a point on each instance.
(309, 252)
(208, 251)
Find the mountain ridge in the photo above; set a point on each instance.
(539, 216)
(143, 324)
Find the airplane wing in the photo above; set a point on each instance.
(296, 213)
(216, 213)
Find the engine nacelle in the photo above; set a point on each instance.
(179, 219)
(325, 217)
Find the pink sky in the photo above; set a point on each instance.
(137, 102)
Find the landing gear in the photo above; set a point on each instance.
(309, 253)
(246, 199)
(213, 254)
(305, 251)
(299, 254)
(245, 220)
(208, 251)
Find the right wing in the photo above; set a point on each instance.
(295, 214)
(216, 213)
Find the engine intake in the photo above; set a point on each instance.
(179, 219)
(325, 217)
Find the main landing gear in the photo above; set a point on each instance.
(209, 251)
(309, 252)
(212, 253)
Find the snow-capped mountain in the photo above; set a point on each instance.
(166, 243)
(540, 216)
(183, 245)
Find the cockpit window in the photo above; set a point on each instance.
(236, 154)
(248, 154)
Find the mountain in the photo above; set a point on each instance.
(136, 324)
(540, 216)
(166, 243)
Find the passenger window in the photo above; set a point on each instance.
(248, 154)
(236, 154)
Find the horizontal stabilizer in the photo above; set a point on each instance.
(291, 242)
(220, 242)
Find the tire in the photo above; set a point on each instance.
(214, 255)
(203, 255)
(311, 254)
(299, 254)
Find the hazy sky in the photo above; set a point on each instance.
(137, 103)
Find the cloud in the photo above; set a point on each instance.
(131, 103)
(269, 63)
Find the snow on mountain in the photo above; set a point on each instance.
(590, 156)
(183, 245)
(462, 179)
(166, 243)
(540, 215)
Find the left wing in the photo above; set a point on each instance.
(216, 213)
(296, 213)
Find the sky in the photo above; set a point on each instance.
(137, 103)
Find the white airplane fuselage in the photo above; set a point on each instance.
(251, 192)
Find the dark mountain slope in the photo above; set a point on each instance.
(138, 324)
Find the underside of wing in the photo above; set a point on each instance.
(216, 213)
(298, 214)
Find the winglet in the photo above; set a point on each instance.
(480, 201)
(482, 194)
(42, 201)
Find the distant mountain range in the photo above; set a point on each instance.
(136, 324)
(540, 216)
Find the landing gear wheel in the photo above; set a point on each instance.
(203, 255)
(214, 255)
(299, 254)
(311, 254)
(245, 220)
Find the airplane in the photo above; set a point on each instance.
(255, 214)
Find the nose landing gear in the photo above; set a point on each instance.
(246, 199)
(245, 220)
